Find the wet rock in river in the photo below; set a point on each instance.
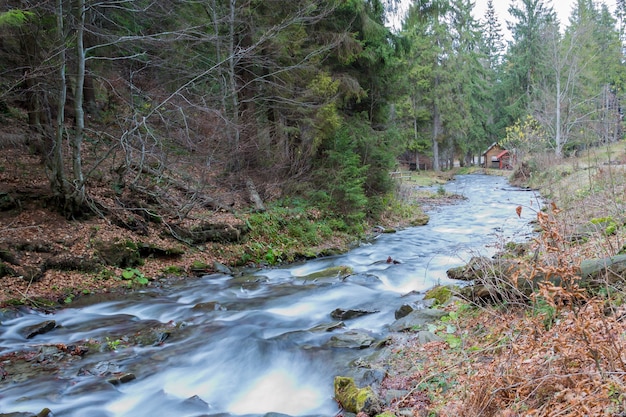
(36, 329)
(403, 311)
(353, 339)
(332, 272)
(341, 314)
(43, 413)
(209, 306)
(121, 378)
(328, 327)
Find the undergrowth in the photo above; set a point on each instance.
(551, 341)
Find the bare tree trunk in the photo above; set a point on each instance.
(232, 77)
(57, 174)
(436, 133)
(78, 194)
(558, 138)
(415, 134)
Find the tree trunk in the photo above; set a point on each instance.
(436, 133)
(78, 194)
(57, 173)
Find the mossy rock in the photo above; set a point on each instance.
(174, 270)
(199, 267)
(356, 400)
(211, 232)
(121, 254)
(441, 293)
(148, 249)
(420, 220)
(332, 272)
(68, 262)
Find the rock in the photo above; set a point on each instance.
(423, 336)
(332, 272)
(211, 232)
(327, 327)
(36, 329)
(420, 220)
(515, 277)
(354, 399)
(416, 319)
(472, 270)
(354, 339)
(341, 314)
(395, 395)
(441, 293)
(121, 254)
(222, 269)
(209, 306)
(122, 378)
(403, 311)
(43, 413)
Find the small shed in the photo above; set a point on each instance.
(504, 159)
(493, 154)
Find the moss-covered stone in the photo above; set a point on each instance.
(354, 399)
(441, 293)
(420, 220)
(121, 254)
(332, 272)
(386, 414)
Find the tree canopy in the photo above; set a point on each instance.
(287, 92)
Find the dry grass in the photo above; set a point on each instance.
(563, 351)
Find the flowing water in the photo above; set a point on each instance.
(249, 345)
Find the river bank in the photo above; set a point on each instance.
(229, 340)
(559, 351)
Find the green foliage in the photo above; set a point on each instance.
(547, 312)
(608, 223)
(112, 344)
(345, 194)
(15, 17)
(174, 270)
(286, 228)
(134, 276)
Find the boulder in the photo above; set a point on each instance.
(36, 329)
(416, 320)
(341, 314)
(356, 400)
(353, 339)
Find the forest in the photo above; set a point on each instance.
(146, 142)
(276, 97)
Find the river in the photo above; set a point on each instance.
(249, 345)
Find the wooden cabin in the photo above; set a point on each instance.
(497, 157)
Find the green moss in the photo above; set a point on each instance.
(441, 294)
(199, 266)
(354, 399)
(174, 270)
(335, 271)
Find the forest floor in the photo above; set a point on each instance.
(47, 260)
